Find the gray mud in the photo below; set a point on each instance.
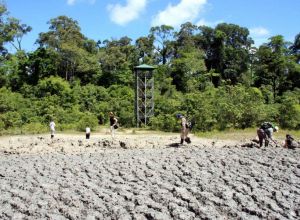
(40, 179)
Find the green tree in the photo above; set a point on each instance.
(163, 36)
(77, 54)
(226, 49)
(272, 66)
(118, 57)
(188, 62)
(212, 42)
(296, 47)
(290, 110)
(11, 30)
(42, 63)
(187, 69)
(145, 49)
(57, 88)
(236, 54)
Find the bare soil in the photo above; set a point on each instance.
(146, 176)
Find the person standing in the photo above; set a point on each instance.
(184, 129)
(87, 132)
(52, 128)
(113, 124)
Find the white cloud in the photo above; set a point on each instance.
(175, 15)
(72, 2)
(260, 40)
(260, 35)
(124, 14)
(207, 23)
(259, 31)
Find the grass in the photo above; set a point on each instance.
(249, 133)
(231, 134)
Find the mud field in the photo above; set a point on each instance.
(146, 177)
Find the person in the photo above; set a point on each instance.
(265, 133)
(87, 132)
(290, 142)
(113, 123)
(52, 128)
(184, 131)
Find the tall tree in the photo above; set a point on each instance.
(185, 37)
(145, 49)
(272, 66)
(187, 68)
(188, 62)
(163, 36)
(212, 42)
(11, 30)
(78, 55)
(236, 54)
(42, 63)
(227, 49)
(118, 58)
(296, 47)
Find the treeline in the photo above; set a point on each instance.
(215, 76)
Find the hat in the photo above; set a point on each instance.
(276, 128)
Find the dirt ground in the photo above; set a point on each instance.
(146, 176)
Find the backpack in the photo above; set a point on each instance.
(266, 125)
(189, 124)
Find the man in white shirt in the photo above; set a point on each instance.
(52, 128)
(87, 132)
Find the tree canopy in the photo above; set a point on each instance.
(215, 76)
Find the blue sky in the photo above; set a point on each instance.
(112, 19)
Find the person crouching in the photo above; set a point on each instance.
(265, 133)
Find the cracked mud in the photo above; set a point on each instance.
(146, 178)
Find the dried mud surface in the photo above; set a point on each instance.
(146, 177)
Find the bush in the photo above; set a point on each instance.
(164, 122)
(11, 119)
(34, 128)
(88, 120)
(289, 110)
(2, 125)
(70, 127)
(52, 85)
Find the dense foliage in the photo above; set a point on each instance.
(215, 76)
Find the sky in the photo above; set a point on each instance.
(113, 19)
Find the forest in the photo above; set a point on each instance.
(213, 75)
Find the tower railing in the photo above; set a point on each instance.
(144, 94)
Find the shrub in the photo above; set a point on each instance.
(2, 125)
(289, 111)
(34, 128)
(88, 120)
(164, 122)
(11, 119)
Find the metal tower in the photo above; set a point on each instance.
(144, 93)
